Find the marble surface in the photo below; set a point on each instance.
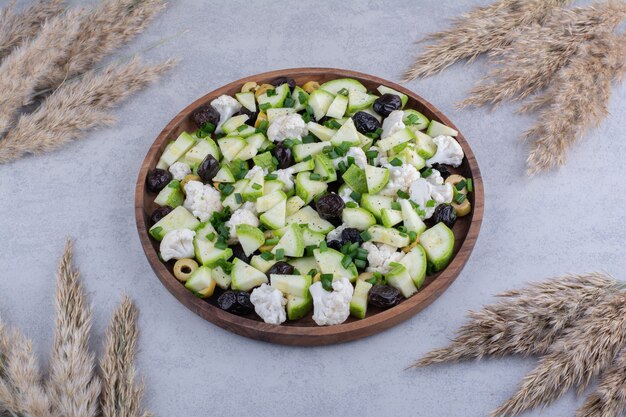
(572, 220)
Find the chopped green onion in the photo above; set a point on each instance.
(459, 198)
(309, 250)
(289, 102)
(342, 166)
(270, 177)
(371, 154)
(306, 117)
(221, 244)
(355, 196)
(412, 119)
(343, 92)
(378, 275)
(372, 280)
(267, 256)
(350, 160)
(242, 128)
(372, 135)
(288, 143)
(256, 186)
(379, 131)
(264, 106)
(280, 254)
(395, 205)
(211, 236)
(308, 139)
(470, 185)
(346, 261)
(360, 263)
(402, 229)
(462, 184)
(351, 204)
(308, 158)
(238, 198)
(315, 176)
(271, 93)
(395, 162)
(228, 189)
(312, 272)
(272, 241)
(403, 194)
(309, 109)
(323, 246)
(365, 235)
(431, 203)
(327, 281)
(335, 124)
(302, 98)
(412, 236)
(427, 172)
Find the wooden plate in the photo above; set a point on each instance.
(305, 332)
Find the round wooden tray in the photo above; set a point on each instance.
(305, 332)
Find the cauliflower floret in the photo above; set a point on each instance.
(202, 200)
(400, 178)
(286, 176)
(245, 214)
(442, 194)
(179, 170)
(381, 158)
(256, 169)
(357, 153)
(379, 255)
(435, 178)
(393, 123)
(269, 304)
(331, 308)
(449, 152)
(289, 126)
(177, 244)
(226, 106)
(422, 191)
(335, 234)
(345, 193)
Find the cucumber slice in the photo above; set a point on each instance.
(254, 189)
(376, 178)
(231, 200)
(250, 238)
(323, 133)
(365, 142)
(426, 147)
(402, 136)
(291, 243)
(304, 150)
(207, 253)
(311, 238)
(222, 279)
(390, 217)
(439, 129)
(247, 100)
(438, 242)
(277, 99)
(234, 122)
(410, 156)
(268, 201)
(162, 164)
(386, 90)
(224, 175)
(261, 264)
(296, 285)
(391, 237)
(415, 119)
(245, 277)
(324, 167)
(329, 262)
(171, 195)
(358, 304)
(199, 151)
(357, 218)
(294, 204)
(338, 107)
(177, 149)
(272, 114)
(297, 93)
(358, 100)
(415, 263)
(243, 131)
(264, 160)
(253, 144)
(307, 189)
(275, 218)
(231, 146)
(298, 307)
(307, 215)
(179, 218)
(304, 265)
(400, 279)
(346, 133)
(349, 84)
(204, 229)
(303, 166)
(273, 185)
(411, 219)
(355, 178)
(320, 100)
(201, 282)
(375, 204)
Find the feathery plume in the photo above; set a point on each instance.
(17, 28)
(107, 28)
(609, 399)
(527, 321)
(477, 32)
(72, 386)
(22, 70)
(121, 397)
(537, 52)
(577, 100)
(580, 354)
(77, 107)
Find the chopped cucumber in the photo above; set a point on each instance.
(400, 279)
(357, 218)
(171, 195)
(320, 100)
(294, 204)
(177, 149)
(386, 90)
(253, 144)
(273, 185)
(308, 165)
(349, 84)
(415, 119)
(307, 189)
(307, 215)
(247, 100)
(436, 128)
(201, 282)
(206, 252)
(323, 133)
(231, 201)
(390, 217)
(358, 304)
(338, 107)
(244, 277)
(375, 204)
(402, 136)
(304, 265)
(411, 219)
(311, 238)
(179, 218)
(292, 243)
(297, 285)
(298, 93)
(324, 167)
(329, 261)
(254, 189)
(275, 100)
(304, 150)
(199, 151)
(230, 146)
(346, 133)
(268, 201)
(358, 100)
(234, 122)
(261, 264)
(409, 156)
(275, 218)
(389, 236)
(415, 264)
(298, 307)
(222, 279)
(376, 178)
(250, 238)
(355, 178)
(264, 160)
(426, 147)
(224, 175)
(438, 242)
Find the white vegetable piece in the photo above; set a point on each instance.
(335, 234)
(449, 152)
(202, 200)
(177, 244)
(245, 214)
(422, 190)
(379, 255)
(360, 159)
(330, 308)
(286, 176)
(393, 123)
(400, 178)
(289, 126)
(269, 304)
(179, 170)
(226, 106)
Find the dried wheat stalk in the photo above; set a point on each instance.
(22, 70)
(17, 28)
(609, 399)
(527, 321)
(577, 100)
(538, 52)
(479, 31)
(580, 354)
(77, 107)
(72, 386)
(120, 396)
(105, 29)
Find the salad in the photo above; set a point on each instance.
(327, 198)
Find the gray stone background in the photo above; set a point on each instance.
(568, 221)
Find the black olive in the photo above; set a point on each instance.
(283, 155)
(281, 268)
(277, 82)
(387, 103)
(236, 302)
(239, 253)
(443, 170)
(158, 179)
(365, 122)
(159, 213)
(334, 244)
(205, 114)
(208, 168)
(330, 206)
(444, 213)
(384, 296)
(351, 235)
(252, 115)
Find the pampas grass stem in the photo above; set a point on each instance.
(609, 399)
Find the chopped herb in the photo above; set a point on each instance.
(309, 250)
(412, 119)
(312, 272)
(306, 117)
(427, 172)
(256, 186)
(272, 241)
(288, 143)
(346, 261)
(242, 128)
(412, 236)
(264, 106)
(334, 124)
(211, 236)
(371, 154)
(289, 102)
(327, 281)
(365, 235)
(395, 205)
(280, 254)
(270, 177)
(323, 246)
(271, 93)
(309, 109)
(343, 92)
(459, 198)
(238, 198)
(403, 194)
(332, 154)
(308, 138)
(351, 204)
(470, 185)
(274, 161)
(267, 256)
(462, 184)
(308, 158)
(431, 203)
(395, 162)
(372, 280)
(355, 196)
(315, 176)
(303, 98)
(350, 160)
(342, 166)
(360, 263)
(379, 131)
(221, 243)
(378, 275)
(372, 135)
(402, 229)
